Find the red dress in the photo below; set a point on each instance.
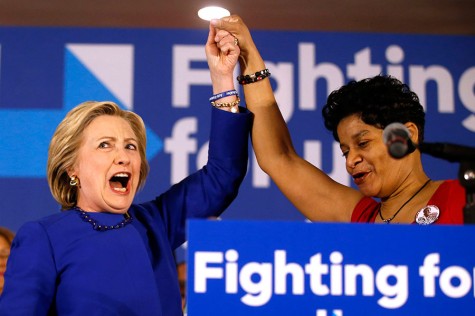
(449, 198)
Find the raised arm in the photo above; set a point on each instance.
(312, 191)
(210, 190)
(222, 57)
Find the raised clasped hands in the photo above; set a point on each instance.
(222, 53)
(250, 59)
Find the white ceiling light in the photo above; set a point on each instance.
(210, 13)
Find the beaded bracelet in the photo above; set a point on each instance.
(233, 105)
(223, 95)
(246, 79)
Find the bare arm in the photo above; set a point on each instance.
(313, 192)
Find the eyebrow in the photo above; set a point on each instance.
(360, 134)
(356, 136)
(114, 138)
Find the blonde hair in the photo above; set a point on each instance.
(67, 139)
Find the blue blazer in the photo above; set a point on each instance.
(59, 265)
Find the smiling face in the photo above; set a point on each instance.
(373, 170)
(107, 165)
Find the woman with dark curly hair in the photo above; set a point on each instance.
(356, 114)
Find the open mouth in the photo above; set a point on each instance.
(120, 182)
(359, 177)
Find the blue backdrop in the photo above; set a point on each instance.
(329, 269)
(162, 75)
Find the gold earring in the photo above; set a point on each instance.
(74, 181)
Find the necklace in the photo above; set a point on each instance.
(388, 220)
(99, 227)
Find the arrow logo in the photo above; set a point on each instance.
(92, 72)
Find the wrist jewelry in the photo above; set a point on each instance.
(233, 105)
(223, 95)
(257, 76)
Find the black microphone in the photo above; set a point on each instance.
(397, 138)
(449, 152)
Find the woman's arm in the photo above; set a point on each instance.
(222, 57)
(210, 190)
(312, 191)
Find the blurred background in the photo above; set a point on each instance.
(148, 56)
(402, 16)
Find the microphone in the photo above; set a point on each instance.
(449, 152)
(397, 138)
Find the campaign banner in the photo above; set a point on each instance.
(296, 268)
(162, 75)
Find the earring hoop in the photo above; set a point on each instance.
(74, 181)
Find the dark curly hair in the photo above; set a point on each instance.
(379, 101)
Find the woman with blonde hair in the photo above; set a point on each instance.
(104, 255)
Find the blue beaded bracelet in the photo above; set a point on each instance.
(223, 95)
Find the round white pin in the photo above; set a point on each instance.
(427, 215)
